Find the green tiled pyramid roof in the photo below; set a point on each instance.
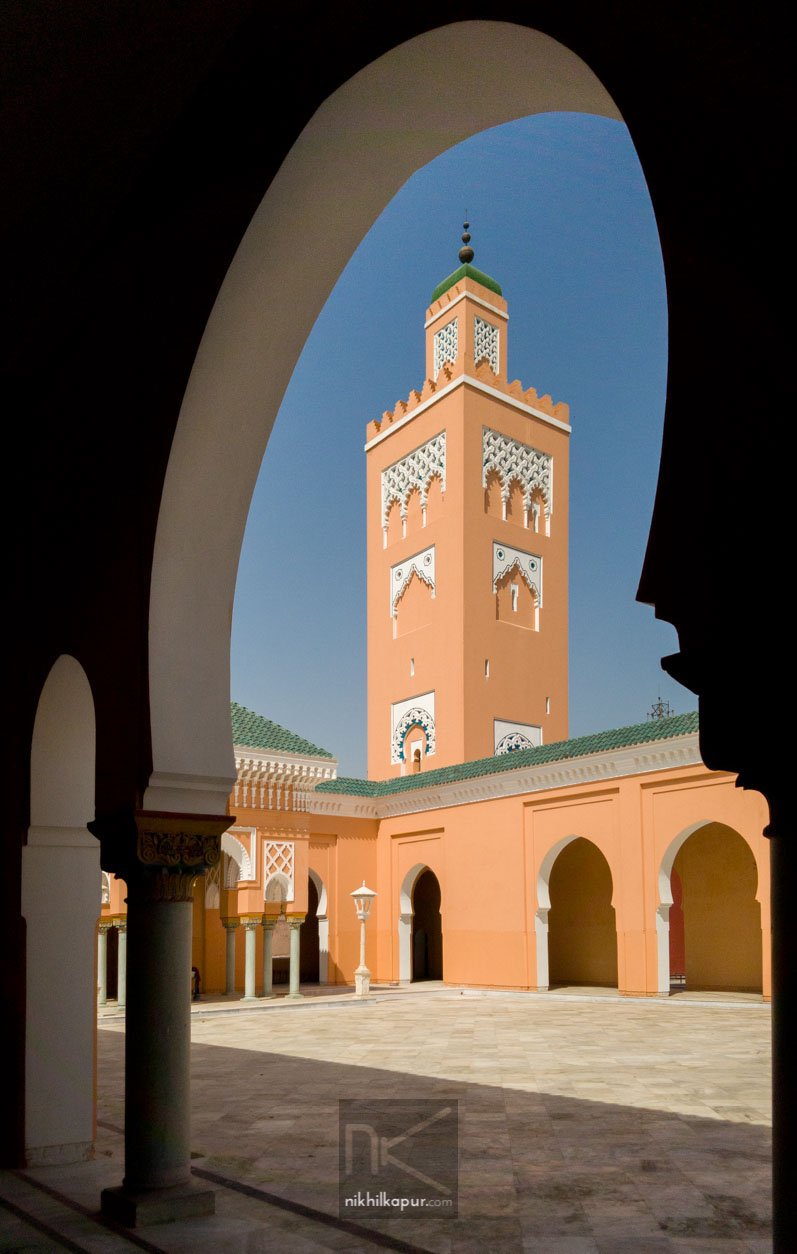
(257, 732)
(466, 272)
(560, 751)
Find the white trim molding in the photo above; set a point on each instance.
(591, 768)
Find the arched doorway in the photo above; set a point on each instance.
(427, 928)
(715, 937)
(582, 932)
(309, 949)
(319, 922)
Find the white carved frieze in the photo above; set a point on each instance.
(446, 345)
(513, 461)
(420, 564)
(508, 736)
(527, 565)
(486, 343)
(414, 472)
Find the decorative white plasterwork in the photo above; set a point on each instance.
(511, 461)
(414, 712)
(446, 345)
(213, 887)
(230, 870)
(269, 779)
(279, 864)
(245, 859)
(105, 889)
(414, 472)
(420, 564)
(527, 565)
(595, 767)
(508, 736)
(486, 341)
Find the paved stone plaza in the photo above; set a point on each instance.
(586, 1124)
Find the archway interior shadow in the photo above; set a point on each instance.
(533, 1166)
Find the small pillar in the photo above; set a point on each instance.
(250, 925)
(230, 926)
(121, 971)
(295, 922)
(102, 964)
(269, 923)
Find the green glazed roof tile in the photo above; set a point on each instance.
(466, 272)
(560, 751)
(257, 732)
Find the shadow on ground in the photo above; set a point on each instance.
(537, 1171)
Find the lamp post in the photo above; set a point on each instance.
(363, 900)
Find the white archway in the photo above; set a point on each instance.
(394, 116)
(239, 859)
(322, 915)
(543, 907)
(61, 864)
(405, 920)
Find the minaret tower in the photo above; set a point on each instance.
(467, 486)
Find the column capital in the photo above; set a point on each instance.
(295, 920)
(270, 921)
(104, 925)
(231, 924)
(120, 925)
(160, 854)
(250, 921)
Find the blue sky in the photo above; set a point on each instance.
(560, 216)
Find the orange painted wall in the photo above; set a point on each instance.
(493, 859)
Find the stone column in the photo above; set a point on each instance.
(269, 923)
(250, 924)
(102, 964)
(121, 976)
(159, 856)
(295, 922)
(230, 926)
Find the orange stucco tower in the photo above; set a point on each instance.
(467, 484)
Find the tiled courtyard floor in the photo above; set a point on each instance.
(587, 1124)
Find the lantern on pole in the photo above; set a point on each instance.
(363, 900)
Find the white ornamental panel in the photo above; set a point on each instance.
(414, 472)
(446, 345)
(485, 343)
(511, 461)
(527, 565)
(279, 862)
(507, 736)
(420, 564)
(414, 712)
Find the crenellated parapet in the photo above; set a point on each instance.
(461, 372)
